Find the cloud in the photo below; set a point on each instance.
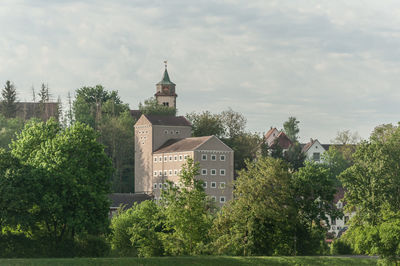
(334, 65)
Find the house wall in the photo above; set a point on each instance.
(171, 100)
(143, 151)
(340, 224)
(315, 148)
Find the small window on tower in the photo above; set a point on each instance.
(166, 103)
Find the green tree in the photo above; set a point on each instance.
(152, 107)
(74, 178)
(291, 128)
(206, 124)
(8, 128)
(9, 106)
(117, 135)
(257, 221)
(234, 123)
(187, 213)
(372, 185)
(137, 231)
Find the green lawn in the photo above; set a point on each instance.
(203, 260)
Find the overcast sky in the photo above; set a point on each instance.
(332, 64)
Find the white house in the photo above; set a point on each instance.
(314, 150)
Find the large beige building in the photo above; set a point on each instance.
(162, 146)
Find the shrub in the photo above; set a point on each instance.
(339, 247)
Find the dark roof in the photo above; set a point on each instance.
(187, 144)
(326, 146)
(283, 141)
(136, 114)
(168, 120)
(127, 199)
(165, 79)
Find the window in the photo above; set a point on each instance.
(180, 157)
(160, 173)
(160, 158)
(175, 158)
(185, 157)
(177, 132)
(165, 103)
(333, 222)
(222, 171)
(316, 156)
(165, 172)
(333, 227)
(204, 157)
(165, 158)
(222, 185)
(213, 171)
(213, 184)
(204, 184)
(160, 185)
(155, 173)
(172, 132)
(222, 199)
(170, 158)
(155, 186)
(165, 185)
(222, 158)
(175, 172)
(213, 157)
(214, 198)
(165, 131)
(170, 172)
(155, 159)
(203, 171)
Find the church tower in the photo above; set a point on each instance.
(165, 94)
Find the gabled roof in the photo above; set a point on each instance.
(186, 144)
(165, 79)
(127, 199)
(168, 120)
(283, 141)
(269, 133)
(308, 145)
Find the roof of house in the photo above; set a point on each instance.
(136, 114)
(268, 134)
(186, 144)
(127, 199)
(168, 120)
(308, 145)
(283, 141)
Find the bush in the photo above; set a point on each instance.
(339, 247)
(93, 246)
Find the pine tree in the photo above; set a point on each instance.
(9, 106)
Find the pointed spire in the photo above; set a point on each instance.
(165, 79)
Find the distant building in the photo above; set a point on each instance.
(339, 226)
(314, 150)
(43, 111)
(163, 144)
(275, 137)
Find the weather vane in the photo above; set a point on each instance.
(165, 62)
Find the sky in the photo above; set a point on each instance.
(334, 65)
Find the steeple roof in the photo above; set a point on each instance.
(165, 79)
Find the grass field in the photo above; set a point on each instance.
(203, 260)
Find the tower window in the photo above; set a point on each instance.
(165, 103)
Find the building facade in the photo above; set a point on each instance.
(164, 143)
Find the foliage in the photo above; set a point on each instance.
(230, 127)
(275, 211)
(257, 220)
(152, 107)
(199, 260)
(291, 128)
(295, 156)
(105, 112)
(136, 232)
(91, 103)
(340, 247)
(345, 137)
(68, 181)
(206, 124)
(8, 104)
(187, 213)
(117, 135)
(8, 128)
(314, 192)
